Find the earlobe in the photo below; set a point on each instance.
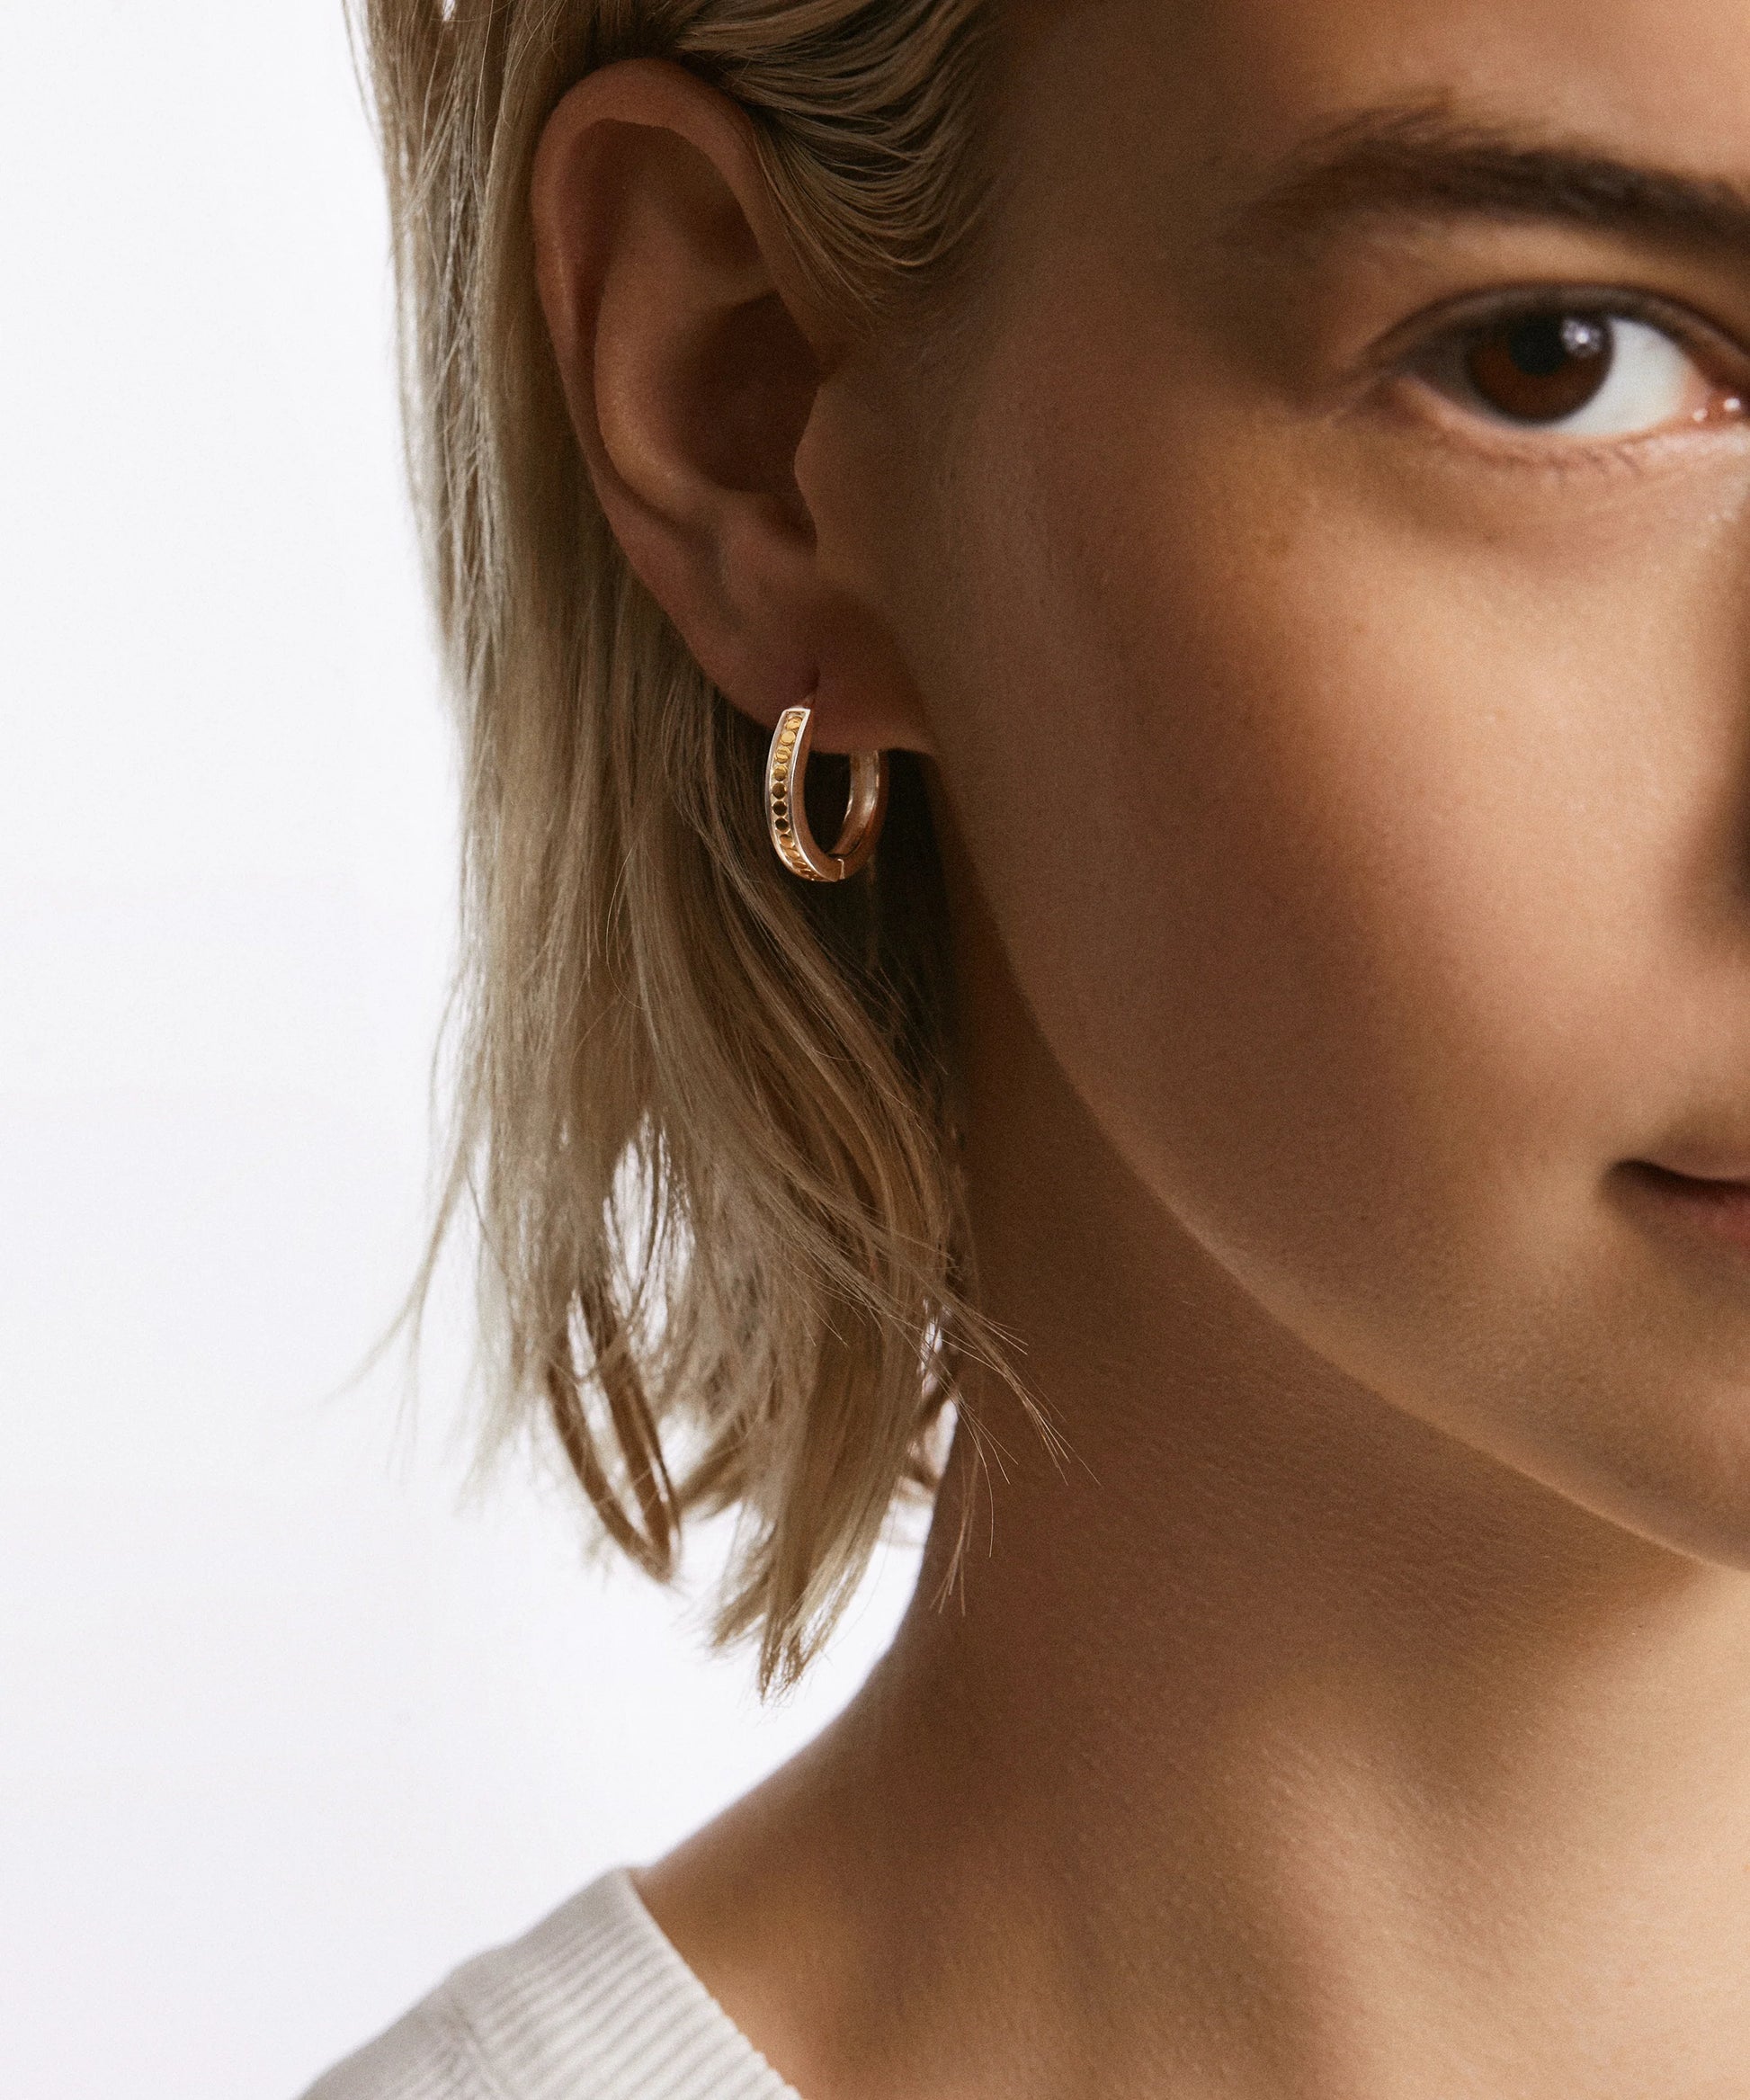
(691, 358)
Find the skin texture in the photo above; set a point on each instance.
(1345, 793)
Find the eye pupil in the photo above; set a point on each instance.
(1540, 367)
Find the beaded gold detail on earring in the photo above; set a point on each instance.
(786, 765)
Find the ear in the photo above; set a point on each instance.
(693, 359)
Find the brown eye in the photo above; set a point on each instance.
(1541, 368)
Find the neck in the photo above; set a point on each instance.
(1273, 1741)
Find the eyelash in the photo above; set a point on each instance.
(1451, 330)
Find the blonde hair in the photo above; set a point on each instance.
(706, 1116)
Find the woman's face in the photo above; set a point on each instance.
(1332, 610)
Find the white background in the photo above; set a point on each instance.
(286, 1727)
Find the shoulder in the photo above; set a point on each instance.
(594, 2003)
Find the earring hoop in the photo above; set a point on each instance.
(787, 819)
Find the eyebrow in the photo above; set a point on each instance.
(1420, 161)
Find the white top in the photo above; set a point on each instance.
(594, 2003)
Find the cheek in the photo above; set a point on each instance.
(1342, 846)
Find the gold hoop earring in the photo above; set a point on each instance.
(786, 768)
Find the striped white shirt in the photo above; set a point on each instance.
(594, 2003)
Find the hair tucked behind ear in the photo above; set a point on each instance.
(706, 1115)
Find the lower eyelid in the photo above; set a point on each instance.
(1498, 445)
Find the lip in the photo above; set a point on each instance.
(1713, 1205)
